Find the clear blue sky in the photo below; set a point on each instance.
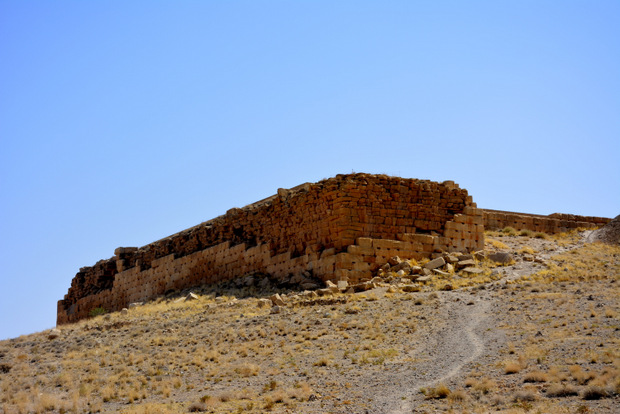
(122, 122)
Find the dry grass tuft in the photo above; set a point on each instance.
(594, 392)
(439, 392)
(536, 376)
(561, 391)
(525, 396)
(496, 244)
(512, 367)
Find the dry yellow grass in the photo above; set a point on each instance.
(229, 355)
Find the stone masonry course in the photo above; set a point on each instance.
(342, 228)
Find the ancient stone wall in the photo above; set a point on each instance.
(551, 224)
(341, 228)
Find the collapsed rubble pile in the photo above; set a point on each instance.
(397, 276)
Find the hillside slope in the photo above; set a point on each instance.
(538, 333)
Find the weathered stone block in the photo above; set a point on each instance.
(435, 263)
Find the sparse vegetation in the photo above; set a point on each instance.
(96, 312)
(558, 352)
(511, 367)
(510, 231)
(439, 392)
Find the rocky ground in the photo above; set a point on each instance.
(609, 233)
(537, 333)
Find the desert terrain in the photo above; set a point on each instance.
(536, 330)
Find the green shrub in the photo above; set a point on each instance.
(509, 231)
(96, 312)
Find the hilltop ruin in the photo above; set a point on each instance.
(342, 228)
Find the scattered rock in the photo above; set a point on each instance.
(394, 260)
(135, 304)
(191, 296)
(501, 257)
(362, 287)
(410, 288)
(124, 311)
(248, 281)
(332, 287)
(309, 286)
(473, 270)
(264, 283)
(403, 266)
(435, 263)
(277, 300)
(276, 309)
(451, 258)
(309, 294)
(466, 263)
(54, 333)
(262, 303)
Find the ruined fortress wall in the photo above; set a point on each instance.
(551, 224)
(339, 229)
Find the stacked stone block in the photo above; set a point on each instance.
(341, 228)
(551, 224)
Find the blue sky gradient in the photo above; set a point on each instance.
(122, 122)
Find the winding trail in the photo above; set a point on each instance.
(449, 348)
(464, 333)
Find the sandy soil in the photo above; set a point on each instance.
(553, 314)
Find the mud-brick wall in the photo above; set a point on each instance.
(551, 224)
(288, 232)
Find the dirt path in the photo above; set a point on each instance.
(459, 341)
(465, 332)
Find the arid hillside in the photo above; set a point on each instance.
(530, 324)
